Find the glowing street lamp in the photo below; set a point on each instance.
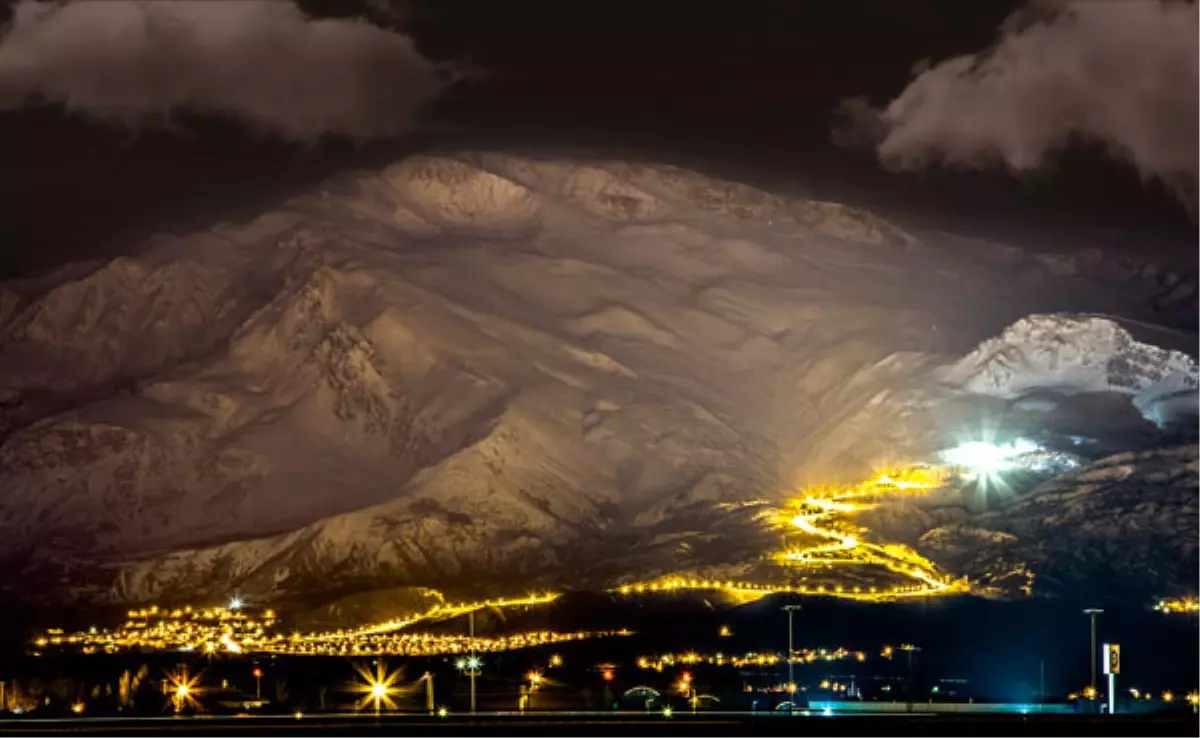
(472, 666)
(684, 685)
(791, 610)
(257, 682)
(183, 688)
(473, 662)
(909, 648)
(377, 688)
(1092, 612)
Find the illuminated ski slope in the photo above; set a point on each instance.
(823, 539)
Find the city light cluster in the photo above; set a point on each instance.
(223, 630)
(659, 662)
(429, 644)
(209, 630)
(1179, 605)
(750, 591)
(1167, 696)
(443, 612)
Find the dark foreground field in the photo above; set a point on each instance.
(627, 724)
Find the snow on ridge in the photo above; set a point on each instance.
(499, 194)
(1068, 352)
(1078, 353)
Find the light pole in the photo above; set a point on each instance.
(1092, 612)
(535, 679)
(471, 667)
(474, 661)
(910, 648)
(1041, 683)
(791, 610)
(428, 677)
(257, 683)
(472, 664)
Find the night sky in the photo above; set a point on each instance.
(745, 90)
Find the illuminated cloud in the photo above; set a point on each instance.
(264, 62)
(1120, 73)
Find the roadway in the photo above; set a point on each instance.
(584, 723)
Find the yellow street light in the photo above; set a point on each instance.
(184, 688)
(377, 688)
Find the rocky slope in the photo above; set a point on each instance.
(479, 371)
(1123, 527)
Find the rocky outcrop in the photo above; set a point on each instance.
(1124, 527)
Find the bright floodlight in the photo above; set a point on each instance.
(987, 458)
(473, 663)
(379, 690)
(236, 603)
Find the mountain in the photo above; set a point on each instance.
(484, 372)
(1124, 526)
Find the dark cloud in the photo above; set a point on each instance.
(262, 61)
(1120, 73)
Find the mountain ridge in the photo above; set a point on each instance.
(470, 364)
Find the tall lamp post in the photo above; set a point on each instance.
(472, 664)
(791, 610)
(428, 678)
(1092, 612)
(474, 660)
(910, 649)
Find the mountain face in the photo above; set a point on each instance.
(1125, 524)
(486, 372)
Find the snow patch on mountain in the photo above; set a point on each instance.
(1073, 353)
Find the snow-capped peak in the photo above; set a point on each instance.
(1073, 353)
